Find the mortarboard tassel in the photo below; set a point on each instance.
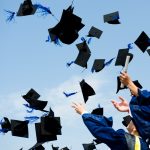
(3, 131)
(130, 46)
(89, 40)
(31, 119)
(28, 106)
(109, 62)
(44, 10)
(11, 15)
(83, 39)
(48, 39)
(69, 63)
(56, 41)
(69, 94)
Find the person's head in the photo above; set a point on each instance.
(131, 128)
(128, 123)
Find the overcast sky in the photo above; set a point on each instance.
(27, 61)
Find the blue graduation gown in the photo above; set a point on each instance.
(140, 110)
(100, 128)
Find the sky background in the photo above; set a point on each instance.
(27, 61)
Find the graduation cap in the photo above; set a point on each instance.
(99, 64)
(84, 54)
(37, 146)
(5, 125)
(126, 120)
(32, 98)
(98, 111)
(41, 138)
(50, 125)
(68, 27)
(87, 90)
(121, 57)
(143, 41)
(19, 128)
(95, 32)
(112, 18)
(136, 82)
(27, 8)
(55, 148)
(89, 146)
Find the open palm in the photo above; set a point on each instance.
(122, 106)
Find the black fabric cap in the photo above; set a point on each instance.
(31, 95)
(98, 65)
(97, 111)
(84, 54)
(89, 146)
(32, 98)
(50, 125)
(126, 120)
(87, 90)
(136, 82)
(55, 148)
(94, 32)
(6, 126)
(68, 27)
(41, 137)
(27, 8)
(19, 128)
(112, 18)
(38, 105)
(142, 42)
(37, 146)
(121, 57)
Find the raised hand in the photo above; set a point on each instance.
(122, 106)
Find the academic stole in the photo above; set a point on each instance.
(137, 143)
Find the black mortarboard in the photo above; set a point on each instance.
(126, 120)
(121, 57)
(55, 148)
(94, 32)
(37, 146)
(84, 54)
(97, 111)
(50, 125)
(98, 65)
(6, 126)
(68, 27)
(19, 128)
(112, 18)
(142, 41)
(136, 82)
(89, 146)
(31, 97)
(41, 137)
(87, 90)
(27, 8)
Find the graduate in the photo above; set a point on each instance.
(101, 128)
(139, 106)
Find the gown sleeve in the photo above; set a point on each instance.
(101, 128)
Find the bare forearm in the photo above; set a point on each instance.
(133, 88)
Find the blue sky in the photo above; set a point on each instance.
(27, 61)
